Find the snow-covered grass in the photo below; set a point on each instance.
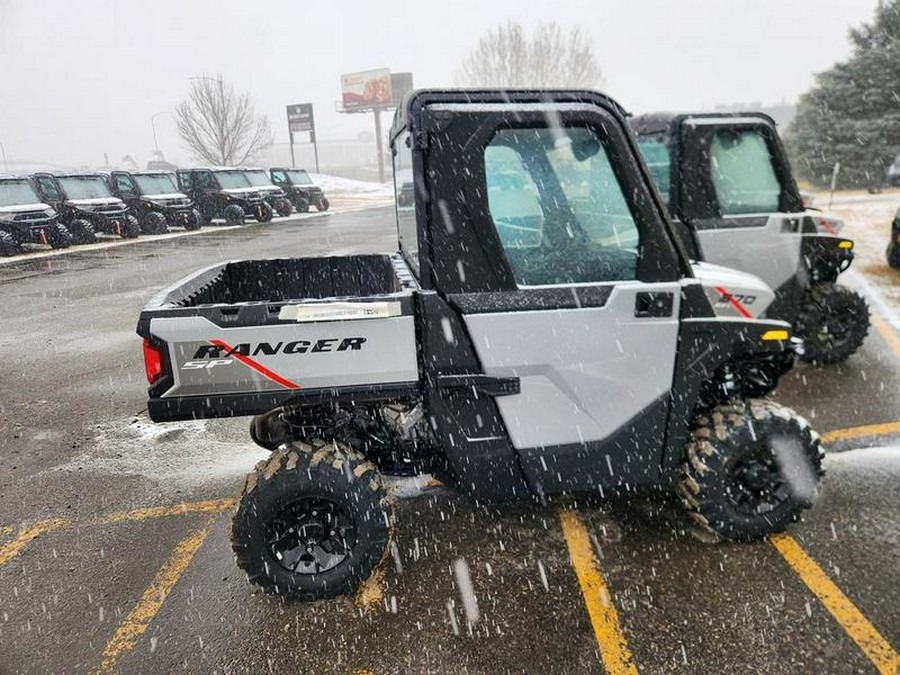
(338, 185)
(867, 220)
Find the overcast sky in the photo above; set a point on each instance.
(82, 77)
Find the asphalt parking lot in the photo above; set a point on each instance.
(115, 556)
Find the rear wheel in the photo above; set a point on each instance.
(131, 228)
(323, 204)
(82, 231)
(264, 213)
(155, 223)
(234, 215)
(751, 468)
(283, 207)
(301, 204)
(58, 236)
(314, 521)
(8, 244)
(833, 322)
(194, 221)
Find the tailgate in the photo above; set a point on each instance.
(216, 362)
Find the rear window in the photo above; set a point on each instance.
(743, 173)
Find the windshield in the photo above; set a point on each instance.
(299, 177)
(84, 187)
(156, 183)
(231, 180)
(258, 178)
(16, 192)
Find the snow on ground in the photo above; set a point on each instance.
(339, 185)
(867, 220)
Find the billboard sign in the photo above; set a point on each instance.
(300, 117)
(366, 90)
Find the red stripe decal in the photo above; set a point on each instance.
(734, 303)
(258, 367)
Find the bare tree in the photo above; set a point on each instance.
(220, 125)
(550, 57)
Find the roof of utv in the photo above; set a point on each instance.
(414, 101)
(662, 122)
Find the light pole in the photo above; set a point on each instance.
(153, 126)
(5, 163)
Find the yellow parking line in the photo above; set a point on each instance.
(859, 432)
(605, 620)
(11, 548)
(888, 334)
(126, 636)
(880, 653)
(15, 546)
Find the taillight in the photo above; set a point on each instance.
(153, 365)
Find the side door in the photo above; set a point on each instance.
(280, 178)
(739, 198)
(565, 276)
(48, 189)
(124, 187)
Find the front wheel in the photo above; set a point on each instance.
(8, 245)
(323, 204)
(893, 255)
(59, 237)
(833, 322)
(131, 228)
(751, 468)
(314, 521)
(301, 204)
(155, 223)
(194, 220)
(234, 215)
(283, 207)
(82, 231)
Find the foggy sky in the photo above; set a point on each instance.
(82, 77)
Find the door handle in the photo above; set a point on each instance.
(653, 304)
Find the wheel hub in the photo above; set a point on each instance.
(310, 535)
(757, 483)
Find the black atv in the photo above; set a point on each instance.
(86, 205)
(893, 248)
(274, 195)
(300, 189)
(25, 220)
(728, 185)
(224, 193)
(154, 199)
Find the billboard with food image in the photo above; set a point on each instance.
(368, 89)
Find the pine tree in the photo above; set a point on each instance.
(852, 114)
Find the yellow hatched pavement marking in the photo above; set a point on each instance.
(126, 636)
(859, 432)
(605, 620)
(12, 548)
(864, 634)
(888, 334)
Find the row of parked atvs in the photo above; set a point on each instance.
(63, 209)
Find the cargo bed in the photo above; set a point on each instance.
(242, 337)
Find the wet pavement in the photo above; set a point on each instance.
(103, 570)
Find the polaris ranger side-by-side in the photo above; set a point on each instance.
(734, 201)
(223, 193)
(86, 206)
(24, 219)
(300, 189)
(153, 197)
(547, 336)
(274, 195)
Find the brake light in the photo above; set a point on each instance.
(153, 365)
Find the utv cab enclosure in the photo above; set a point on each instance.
(24, 219)
(224, 193)
(274, 195)
(153, 197)
(86, 205)
(533, 336)
(729, 189)
(300, 189)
